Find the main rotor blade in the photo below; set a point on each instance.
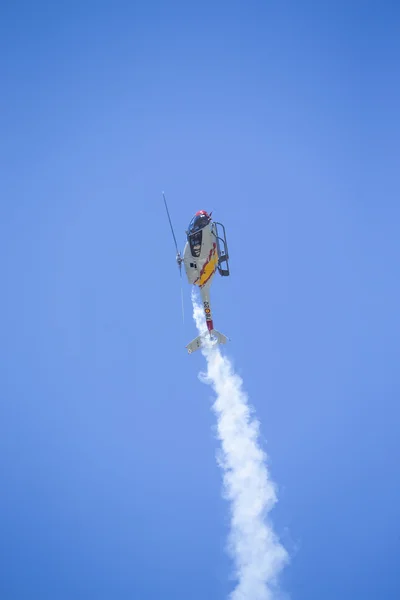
(178, 255)
(169, 219)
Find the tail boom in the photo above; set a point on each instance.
(212, 336)
(207, 309)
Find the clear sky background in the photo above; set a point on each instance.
(282, 118)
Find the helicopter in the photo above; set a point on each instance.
(205, 253)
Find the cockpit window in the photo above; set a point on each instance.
(195, 243)
(198, 222)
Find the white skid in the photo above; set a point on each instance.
(212, 337)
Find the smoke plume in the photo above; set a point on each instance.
(255, 549)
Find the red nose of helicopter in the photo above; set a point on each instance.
(203, 213)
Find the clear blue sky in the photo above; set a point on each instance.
(282, 117)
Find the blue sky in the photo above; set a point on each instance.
(282, 118)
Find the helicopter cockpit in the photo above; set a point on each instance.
(200, 220)
(195, 234)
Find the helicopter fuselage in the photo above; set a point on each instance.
(200, 257)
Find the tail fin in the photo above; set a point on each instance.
(214, 336)
(221, 338)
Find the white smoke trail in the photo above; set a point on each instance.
(255, 549)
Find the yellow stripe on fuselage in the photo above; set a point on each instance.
(209, 268)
